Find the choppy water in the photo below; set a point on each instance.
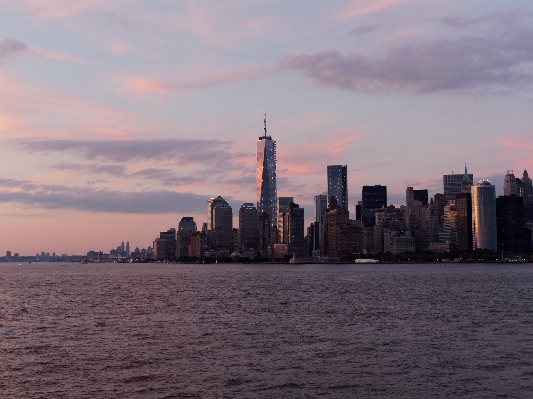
(266, 331)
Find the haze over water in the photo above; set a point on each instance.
(263, 331)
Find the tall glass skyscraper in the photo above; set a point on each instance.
(338, 184)
(265, 177)
(484, 215)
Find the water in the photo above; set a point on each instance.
(264, 331)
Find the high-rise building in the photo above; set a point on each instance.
(247, 236)
(186, 228)
(212, 203)
(452, 184)
(282, 226)
(223, 223)
(509, 184)
(264, 226)
(165, 246)
(528, 189)
(265, 176)
(484, 216)
(338, 184)
(510, 223)
(463, 203)
(283, 204)
(296, 229)
(321, 206)
(467, 182)
(374, 198)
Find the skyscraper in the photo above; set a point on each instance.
(295, 229)
(263, 225)
(186, 228)
(463, 203)
(212, 203)
(248, 233)
(452, 184)
(265, 176)
(374, 198)
(510, 223)
(484, 216)
(338, 184)
(509, 184)
(321, 206)
(223, 222)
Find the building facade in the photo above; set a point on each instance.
(510, 223)
(248, 233)
(452, 184)
(338, 184)
(186, 228)
(484, 216)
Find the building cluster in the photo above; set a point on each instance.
(464, 217)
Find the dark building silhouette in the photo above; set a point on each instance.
(247, 234)
(186, 228)
(165, 246)
(296, 229)
(338, 184)
(463, 203)
(374, 198)
(421, 195)
(264, 228)
(511, 232)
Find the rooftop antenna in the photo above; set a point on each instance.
(265, 120)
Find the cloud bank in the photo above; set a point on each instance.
(499, 60)
(182, 150)
(27, 194)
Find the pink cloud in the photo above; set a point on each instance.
(62, 9)
(366, 7)
(519, 142)
(312, 156)
(194, 80)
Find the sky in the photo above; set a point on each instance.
(118, 118)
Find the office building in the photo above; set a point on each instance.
(165, 246)
(186, 228)
(484, 216)
(338, 184)
(296, 229)
(463, 203)
(511, 233)
(373, 198)
(264, 229)
(265, 176)
(321, 206)
(223, 223)
(509, 184)
(283, 204)
(248, 233)
(452, 184)
(212, 203)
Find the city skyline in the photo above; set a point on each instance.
(118, 119)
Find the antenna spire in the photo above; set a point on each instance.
(265, 120)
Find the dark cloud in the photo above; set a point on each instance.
(114, 170)
(205, 152)
(92, 200)
(247, 179)
(12, 182)
(166, 176)
(10, 47)
(494, 61)
(363, 30)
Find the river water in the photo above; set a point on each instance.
(265, 331)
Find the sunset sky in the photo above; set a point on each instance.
(117, 118)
